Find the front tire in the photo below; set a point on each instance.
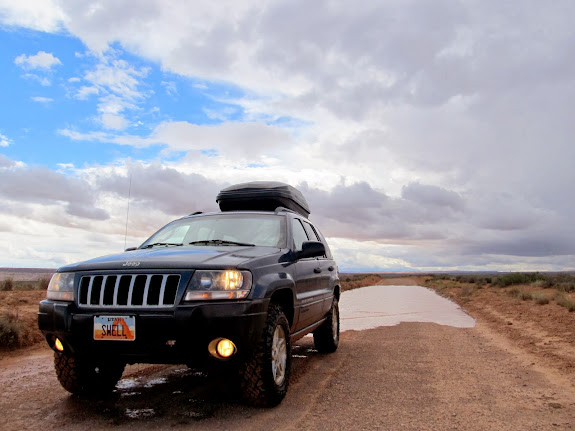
(265, 377)
(326, 337)
(86, 377)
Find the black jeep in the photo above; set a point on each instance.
(231, 289)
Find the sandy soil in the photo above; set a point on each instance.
(513, 371)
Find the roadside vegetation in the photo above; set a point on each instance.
(542, 288)
(9, 284)
(18, 312)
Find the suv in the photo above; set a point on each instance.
(230, 289)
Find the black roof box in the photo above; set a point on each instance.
(262, 196)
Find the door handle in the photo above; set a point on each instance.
(317, 270)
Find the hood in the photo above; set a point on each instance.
(174, 258)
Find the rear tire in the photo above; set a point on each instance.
(86, 377)
(265, 377)
(326, 337)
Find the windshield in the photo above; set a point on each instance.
(222, 230)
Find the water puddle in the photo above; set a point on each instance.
(374, 306)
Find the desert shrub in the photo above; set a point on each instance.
(42, 283)
(11, 330)
(8, 284)
(467, 291)
(540, 298)
(565, 286)
(560, 279)
(442, 277)
(517, 278)
(566, 301)
(520, 294)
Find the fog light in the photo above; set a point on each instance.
(58, 345)
(222, 348)
(225, 348)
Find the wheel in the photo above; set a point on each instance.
(265, 376)
(83, 376)
(326, 337)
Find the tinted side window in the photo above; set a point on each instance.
(299, 235)
(311, 233)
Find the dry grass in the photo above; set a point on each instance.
(565, 300)
(11, 331)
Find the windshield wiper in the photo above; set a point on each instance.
(165, 244)
(220, 242)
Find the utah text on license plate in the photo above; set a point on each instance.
(122, 328)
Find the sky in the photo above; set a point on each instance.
(426, 135)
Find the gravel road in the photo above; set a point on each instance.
(412, 376)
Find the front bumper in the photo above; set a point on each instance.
(181, 335)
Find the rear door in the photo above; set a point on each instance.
(309, 279)
(325, 267)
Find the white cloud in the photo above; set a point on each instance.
(114, 121)
(41, 99)
(4, 141)
(42, 80)
(41, 60)
(42, 15)
(85, 92)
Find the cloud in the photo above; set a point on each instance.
(4, 141)
(40, 185)
(85, 92)
(432, 196)
(118, 87)
(42, 60)
(42, 15)
(41, 99)
(243, 142)
(175, 193)
(114, 121)
(42, 80)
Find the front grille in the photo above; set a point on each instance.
(128, 290)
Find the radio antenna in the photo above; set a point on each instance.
(128, 212)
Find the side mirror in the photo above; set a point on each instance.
(311, 249)
(131, 249)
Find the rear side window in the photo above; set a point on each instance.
(299, 235)
(311, 233)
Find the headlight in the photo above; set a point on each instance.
(61, 287)
(228, 284)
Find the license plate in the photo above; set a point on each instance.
(121, 328)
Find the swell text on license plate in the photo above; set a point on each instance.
(122, 328)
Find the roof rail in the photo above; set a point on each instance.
(278, 209)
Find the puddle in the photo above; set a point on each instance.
(374, 306)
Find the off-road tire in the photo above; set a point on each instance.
(85, 377)
(326, 337)
(259, 386)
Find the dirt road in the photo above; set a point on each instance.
(414, 376)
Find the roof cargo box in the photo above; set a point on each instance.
(262, 196)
